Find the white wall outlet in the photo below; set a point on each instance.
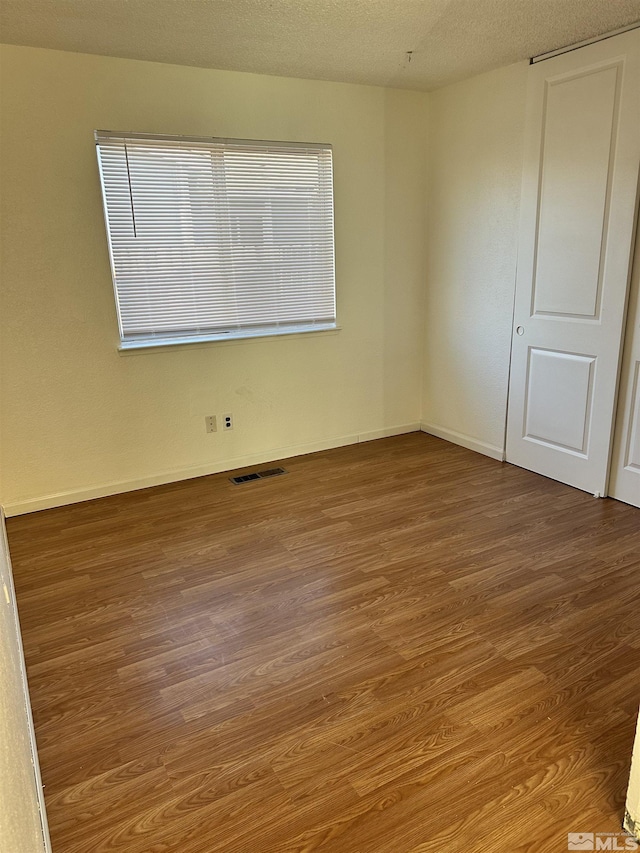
(211, 423)
(227, 422)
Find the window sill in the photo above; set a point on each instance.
(150, 345)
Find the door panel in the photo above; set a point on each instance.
(567, 276)
(559, 383)
(632, 451)
(625, 469)
(582, 154)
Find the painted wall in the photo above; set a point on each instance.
(80, 419)
(21, 829)
(474, 175)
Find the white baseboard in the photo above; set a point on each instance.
(483, 447)
(20, 507)
(374, 434)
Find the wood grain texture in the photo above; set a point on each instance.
(398, 647)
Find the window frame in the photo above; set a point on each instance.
(243, 331)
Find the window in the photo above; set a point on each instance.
(217, 238)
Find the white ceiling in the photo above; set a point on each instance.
(357, 41)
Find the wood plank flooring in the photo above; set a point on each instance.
(398, 647)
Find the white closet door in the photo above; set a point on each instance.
(625, 468)
(582, 153)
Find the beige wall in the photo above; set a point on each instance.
(80, 419)
(474, 174)
(427, 190)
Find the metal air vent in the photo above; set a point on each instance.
(257, 475)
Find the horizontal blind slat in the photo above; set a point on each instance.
(218, 234)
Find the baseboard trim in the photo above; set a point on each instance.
(450, 435)
(21, 507)
(388, 432)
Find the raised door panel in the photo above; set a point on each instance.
(558, 400)
(574, 191)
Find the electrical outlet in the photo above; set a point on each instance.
(211, 423)
(227, 422)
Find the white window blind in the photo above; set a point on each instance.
(217, 238)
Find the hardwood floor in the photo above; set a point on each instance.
(398, 647)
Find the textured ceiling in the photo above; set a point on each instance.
(358, 41)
